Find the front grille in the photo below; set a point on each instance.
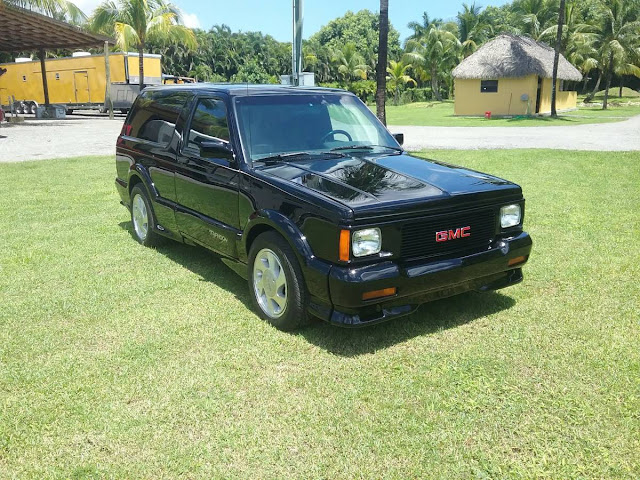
(419, 237)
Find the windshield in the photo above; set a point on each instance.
(272, 125)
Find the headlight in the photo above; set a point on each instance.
(510, 216)
(366, 242)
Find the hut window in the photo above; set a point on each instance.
(488, 86)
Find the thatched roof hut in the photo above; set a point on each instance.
(510, 55)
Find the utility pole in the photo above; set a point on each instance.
(381, 69)
(296, 50)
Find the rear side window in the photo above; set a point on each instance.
(209, 123)
(155, 114)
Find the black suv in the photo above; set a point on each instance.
(307, 195)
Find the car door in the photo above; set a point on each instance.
(207, 179)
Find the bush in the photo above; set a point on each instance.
(251, 72)
(364, 89)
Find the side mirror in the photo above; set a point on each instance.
(211, 149)
(399, 138)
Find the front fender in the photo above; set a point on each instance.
(314, 270)
(285, 227)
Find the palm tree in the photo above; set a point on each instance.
(59, 9)
(398, 76)
(473, 28)
(584, 58)
(534, 14)
(574, 32)
(436, 52)
(556, 59)
(381, 77)
(349, 63)
(577, 39)
(135, 21)
(617, 40)
(421, 29)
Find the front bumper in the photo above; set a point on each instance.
(417, 283)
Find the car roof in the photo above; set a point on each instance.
(244, 89)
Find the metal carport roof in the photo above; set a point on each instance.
(22, 29)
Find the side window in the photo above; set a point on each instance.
(209, 124)
(488, 86)
(155, 115)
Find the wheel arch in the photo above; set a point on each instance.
(270, 220)
(139, 175)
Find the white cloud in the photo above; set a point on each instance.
(190, 20)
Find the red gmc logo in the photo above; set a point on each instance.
(446, 235)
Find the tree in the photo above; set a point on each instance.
(349, 63)
(360, 29)
(252, 72)
(436, 52)
(420, 29)
(473, 28)
(556, 59)
(58, 9)
(398, 77)
(381, 77)
(135, 21)
(617, 40)
(534, 15)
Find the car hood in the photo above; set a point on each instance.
(374, 182)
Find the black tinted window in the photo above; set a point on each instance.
(209, 123)
(488, 86)
(155, 114)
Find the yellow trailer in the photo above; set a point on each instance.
(77, 82)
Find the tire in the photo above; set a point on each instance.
(142, 218)
(283, 305)
(70, 111)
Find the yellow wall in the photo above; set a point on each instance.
(63, 88)
(564, 100)
(469, 100)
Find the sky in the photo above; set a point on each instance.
(274, 17)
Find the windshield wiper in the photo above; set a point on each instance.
(365, 147)
(283, 157)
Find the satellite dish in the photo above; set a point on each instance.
(524, 97)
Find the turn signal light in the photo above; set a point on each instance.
(385, 292)
(345, 237)
(517, 260)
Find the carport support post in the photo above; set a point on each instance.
(43, 68)
(107, 70)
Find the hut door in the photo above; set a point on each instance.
(81, 82)
(538, 95)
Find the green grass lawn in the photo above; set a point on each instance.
(440, 114)
(118, 361)
(628, 95)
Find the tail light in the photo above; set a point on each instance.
(126, 131)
